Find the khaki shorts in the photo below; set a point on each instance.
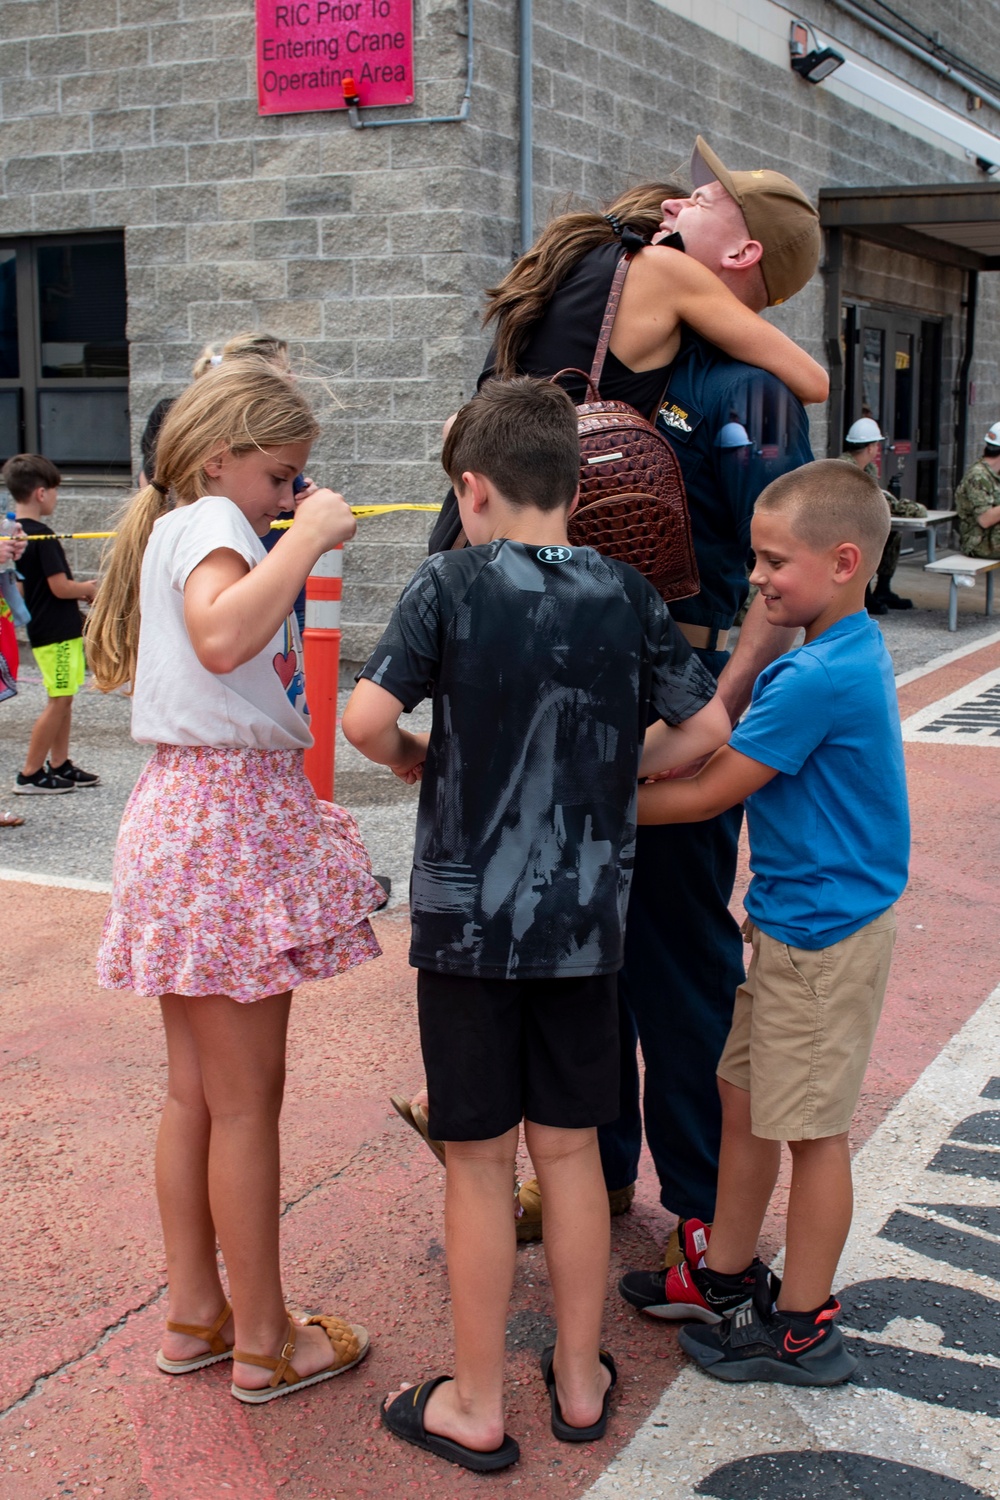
(803, 1027)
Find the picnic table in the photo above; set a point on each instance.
(961, 567)
(927, 524)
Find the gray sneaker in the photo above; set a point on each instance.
(757, 1344)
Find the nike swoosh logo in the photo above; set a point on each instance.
(723, 1300)
(799, 1346)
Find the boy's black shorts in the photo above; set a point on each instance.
(498, 1051)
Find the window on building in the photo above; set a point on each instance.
(63, 350)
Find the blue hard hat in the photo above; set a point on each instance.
(733, 435)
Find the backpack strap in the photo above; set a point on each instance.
(614, 297)
(604, 340)
(591, 389)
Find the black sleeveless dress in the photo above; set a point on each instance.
(566, 336)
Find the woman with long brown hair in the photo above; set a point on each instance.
(547, 313)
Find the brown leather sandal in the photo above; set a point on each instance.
(528, 1207)
(415, 1116)
(350, 1344)
(213, 1338)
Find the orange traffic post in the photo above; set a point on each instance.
(321, 650)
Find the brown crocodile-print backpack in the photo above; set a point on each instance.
(632, 501)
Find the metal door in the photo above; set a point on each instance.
(895, 377)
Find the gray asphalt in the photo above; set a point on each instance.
(74, 835)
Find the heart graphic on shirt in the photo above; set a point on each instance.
(286, 666)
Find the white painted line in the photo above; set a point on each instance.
(968, 716)
(63, 882)
(701, 1424)
(946, 659)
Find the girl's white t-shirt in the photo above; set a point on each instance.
(177, 701)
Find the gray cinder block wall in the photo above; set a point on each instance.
(369, 249)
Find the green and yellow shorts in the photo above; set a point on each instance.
(63, 667)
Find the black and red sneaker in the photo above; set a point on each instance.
(686, 1292)
(757, 1343)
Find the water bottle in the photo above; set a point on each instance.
(9, 590)
(7, 528)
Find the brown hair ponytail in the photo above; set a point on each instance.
(234, 407)
(522, 296)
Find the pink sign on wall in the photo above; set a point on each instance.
(307, 48)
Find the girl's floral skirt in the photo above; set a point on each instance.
(232, 878)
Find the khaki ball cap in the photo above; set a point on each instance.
(778, 214)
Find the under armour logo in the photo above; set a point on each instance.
(554, 554)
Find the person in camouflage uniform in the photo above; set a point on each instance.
(977, 501)
(861, 448)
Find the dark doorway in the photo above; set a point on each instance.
(893, 373)
(63, 350)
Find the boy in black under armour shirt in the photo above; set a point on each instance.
(545, 663)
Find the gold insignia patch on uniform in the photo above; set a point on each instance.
(675, 416)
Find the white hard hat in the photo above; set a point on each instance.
(733, 435)
(992, 438)
(864, 430)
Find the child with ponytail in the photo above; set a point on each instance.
(232, 882)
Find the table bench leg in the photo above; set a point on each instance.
(989, 592)
(931, 544)
(953, 605)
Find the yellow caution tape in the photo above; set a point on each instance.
(70, 536)
(361, 511)
(383, 510)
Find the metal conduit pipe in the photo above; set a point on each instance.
(928, 58)
(354, 110)
(526, 173)
(968, 353)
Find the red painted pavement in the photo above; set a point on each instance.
(83, 1411)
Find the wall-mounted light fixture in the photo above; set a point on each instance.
(815, 63)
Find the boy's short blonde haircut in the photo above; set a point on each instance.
(828, 502)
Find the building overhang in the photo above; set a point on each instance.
(954, 224)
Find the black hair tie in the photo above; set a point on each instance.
(631, 240)
(161, 489)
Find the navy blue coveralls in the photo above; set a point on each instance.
(683, 949)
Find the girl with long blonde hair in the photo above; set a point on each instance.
(252, 343)
(232, 882)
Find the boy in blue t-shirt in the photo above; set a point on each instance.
(818, 759)
(545, 663)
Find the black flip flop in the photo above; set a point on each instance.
(405, 1418)
(561, 1428)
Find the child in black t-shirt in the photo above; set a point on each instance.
(55, 630)
(545, 663)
